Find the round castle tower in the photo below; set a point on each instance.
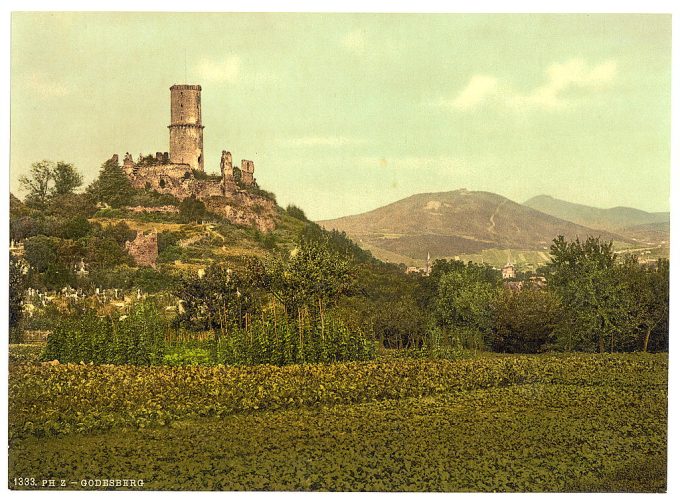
(186, 130)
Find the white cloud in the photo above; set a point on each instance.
(561, 78)
(324, 141)
(478, 89)
(355, 41)
(226, 70)
(46, 87)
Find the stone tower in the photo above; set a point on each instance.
(186, 130)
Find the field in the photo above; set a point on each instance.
(492, 423)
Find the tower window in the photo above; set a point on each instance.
(162, 183)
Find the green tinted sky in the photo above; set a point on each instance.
(344, 113)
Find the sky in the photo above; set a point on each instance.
(343, 113)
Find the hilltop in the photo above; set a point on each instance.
(458, 223)
(618, 219)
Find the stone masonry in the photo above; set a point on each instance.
(178, 172)
(144, 248)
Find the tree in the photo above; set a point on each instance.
(597, 303)
(525, 321)
(649, 286)
(464, 298)
(66, 179)
(311, 276)
(38, 185)
(49, 179)
(112, 187)
(40, 252)
(219, 299)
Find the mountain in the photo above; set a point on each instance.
(449, 224)
(609, 219)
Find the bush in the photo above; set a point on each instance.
(525, 321)
(296, 213)
(275, 340)
(187, 357)
(138, 338)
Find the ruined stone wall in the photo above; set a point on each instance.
(169, 179)
(244, 209)
(227, 170)
(247, 172)
(144, 248)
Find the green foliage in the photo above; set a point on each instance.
(17, 289)
(525, 321)
(66, 179)
(274, 339)
(119, 232)
(312, 276)
(596, 302)
(192, 210)
(296, 213)
(464, 298)
(70, 206)
(137, 338)
(220, 299)
(112, 187)
(187, 357)
(101, 397)
(153, 199)
(104, 253)
(168, 239)
(41, 252)
(338, 241)
(48, 179)
(649, 286)
(267, 240)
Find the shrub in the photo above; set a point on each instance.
(273, 339)
(138, 338)
(296, 212)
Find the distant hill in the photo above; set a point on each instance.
(609, 219)
(448, 224)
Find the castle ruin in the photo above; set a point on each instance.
(144, 248)
(180, 171)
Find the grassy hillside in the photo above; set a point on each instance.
(456, 223)
(614, 219)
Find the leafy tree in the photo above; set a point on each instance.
(649, 287)
(219, 299)
(66, 179)
(71, 205)
(41, 252)
(311, 276)
(69, 228)
(24, 227)
(596, 301)
(105, 252)
(47, 180)
(38, 184)
(464, 298)
(119, 232)
(525, 321)
(112, 187)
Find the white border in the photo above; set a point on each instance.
(424, 6)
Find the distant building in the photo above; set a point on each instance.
(508, 271)
(422, 271)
